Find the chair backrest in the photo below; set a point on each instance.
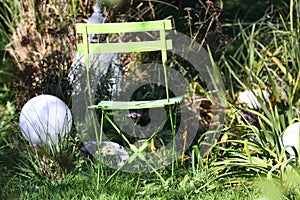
(161, 44)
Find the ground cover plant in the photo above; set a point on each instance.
(247, 161)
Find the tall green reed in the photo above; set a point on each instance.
(267, 58)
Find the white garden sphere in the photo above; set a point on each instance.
(291, 138)
(249, 97)
(44, 119)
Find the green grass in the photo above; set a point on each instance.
(123, 186)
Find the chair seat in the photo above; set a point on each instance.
(131, 105)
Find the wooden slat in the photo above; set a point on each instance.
(125, 47)
(131, 105)
(129, 47)
(81, 28)
(123, 27)
(80, 47)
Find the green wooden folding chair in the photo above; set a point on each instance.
(161, 44)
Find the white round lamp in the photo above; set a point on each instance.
(291, 138)
(44, 119)
(250, 98)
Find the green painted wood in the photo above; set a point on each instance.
(131, 105)
(161, 44)
(86, 50)
(164, 59)
(123, 27)
(81, 28)
(126, 47)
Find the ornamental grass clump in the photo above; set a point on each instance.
(267, 59)
(42, 46)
